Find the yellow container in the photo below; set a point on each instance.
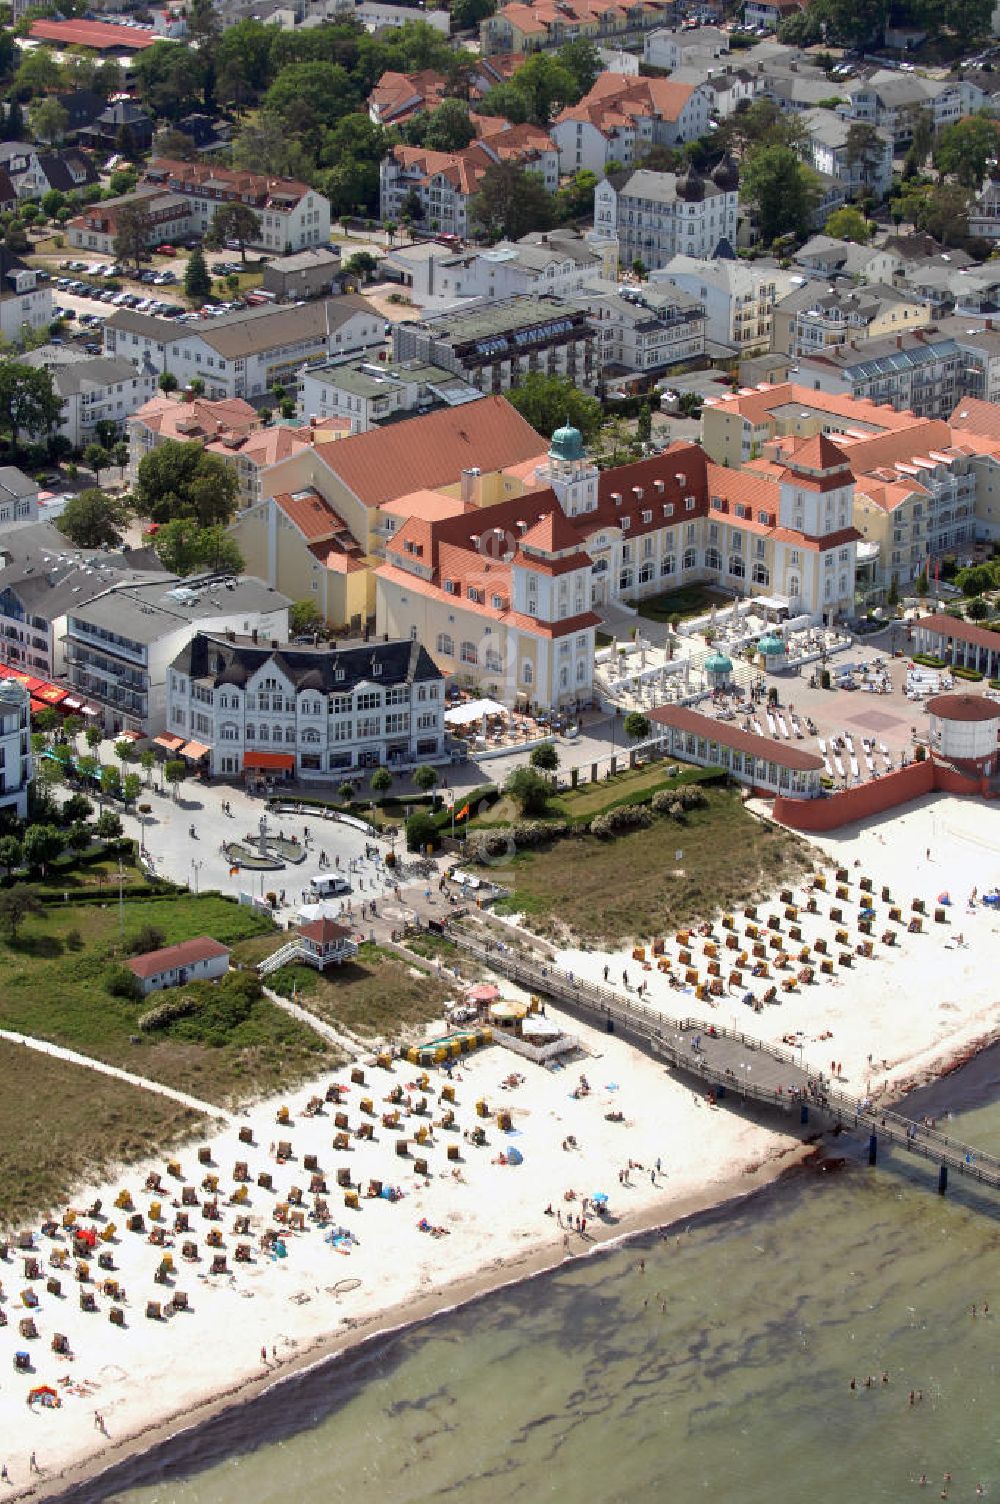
(351, 1200)
(154, 1211)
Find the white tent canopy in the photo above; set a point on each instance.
(472, 710)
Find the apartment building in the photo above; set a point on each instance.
(623, 117)
(495, 345)
(739, 297)
(444, 183)
(18, 498)
(926, 371)
(312, 714)
(365, 394)
(643, 331)
(814, 317)
(292, 215)
(93, 388)
(657, 215)
(831, 149)
(16, 762)
(245, 354)
(543, 261)
(524, 26)
(120, 644)
(667, 48)
(893, 100)
(25, 305)
(736, 426)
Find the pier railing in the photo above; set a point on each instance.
(724, 1058)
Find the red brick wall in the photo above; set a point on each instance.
(874, 797)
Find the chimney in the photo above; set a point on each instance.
(899, 341)
(470, 488)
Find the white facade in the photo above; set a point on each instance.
(646, 331)
(323, 714)
(244, 355)
(93, 389)
(666, 48)
(16, 767)
(738, 297)
(24, 304)
(890, 100)
(656, 215)
(827, 149)
(590, 135)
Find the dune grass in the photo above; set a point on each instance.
(645, 883)
(62, 1123)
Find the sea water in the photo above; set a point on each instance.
(721, 1371)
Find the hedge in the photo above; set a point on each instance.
(929, 661)
(971, 674)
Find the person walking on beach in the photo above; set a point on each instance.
(33, 1464)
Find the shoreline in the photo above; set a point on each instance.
(502, 1274)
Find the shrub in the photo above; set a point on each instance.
(421, 831)
(162, 1014)
(929, 661)
(148, 937)
(616, 821)
(972, 675)
(677, 802)
(120, 982)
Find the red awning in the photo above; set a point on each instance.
(195, 750)
(35, 685)
(37, 705)
(171, 743)
(268, 760)
(52, 694)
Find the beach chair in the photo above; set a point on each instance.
(213, 1237)
(60, 1343)
(843, 876)
(940, 916)
(842, 937)
(915, 925)
(403, 1148)
(242, 1253)
(773, 923)
(366, 1131)
(341, 1120)
(753, 932)
(684, 958)
(390, 1119)
(241, 1226)
(189, 1196)
(210, 1183)
(32, 1269)
(842, 894)
(918, 906)
(240, 1196)
(295, 1195)
(454, 1152)
(750, 911)
(123, 1201)
(447, 1092)
(53, 1286)
(736, 979)
(341, 1141)
(837, 914)
(246, 1135)
(845, 958)
(189, 1251)
(219, 1264)
(29, 1299)
(82, 1271)
(351, 1201)
(826, 967)
(283, 1116)
(691, 977)
(865, 884)
(58, 1258)
(310, 1162)
(367, 1106)
(116, 1316)
(179, 1301)
(865, 926)
(153, 1181)
(264, 1180)
(714, 969)
(344, 1177)
(710, 948)
(88, 1300)
(204, 1155)
(760, 950)
(358, 1076)
(137, 1222)
(888, 937)
(241, 1172)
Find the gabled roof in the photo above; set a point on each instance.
(551, 534)
(172, 957)
(324, 931)
(818, 453)
(978, 416)
(431, 451)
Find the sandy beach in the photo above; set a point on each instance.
(914, 1008)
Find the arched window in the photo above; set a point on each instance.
(527, 673)
(737, 568)
(310, 734)
(668, 564)
(251, 734)
(564, 678)
(470, 653)
(625, 579)
(264, 734)
(793, 586)
(713, 559)
(761, 574)
(581, 671)
(445, 645)
(229, 732)
(690, 558)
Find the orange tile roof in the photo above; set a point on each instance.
(397, 96)
(981, 417)
(153, 962)
(552, 534)
(173, 418)
(432, 450)
(265, 446)
(757, 403)
(615, 99)
(429, 505)
(888, 495)
(101, 36)
(313, 516)
(817, 453)
(256, 188)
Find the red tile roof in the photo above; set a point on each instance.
(980, 417)
(431, 450)
(101, 36)
(310, 514)
(964, 708)
(155, 962)
(324, 931)
(617, 99)
(728, 735)
(960, 631)
(552, 534)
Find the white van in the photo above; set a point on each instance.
(329, 887)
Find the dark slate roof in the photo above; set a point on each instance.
(308, 668)
(82, 106)
(56, 168)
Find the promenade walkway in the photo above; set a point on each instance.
(727, 1061)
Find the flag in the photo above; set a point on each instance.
(462, 812)
(233, 871)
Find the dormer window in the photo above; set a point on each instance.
(449, 587)
(626, 524)
(473, 593)
(497, 602)
(647, 517)
(689, 503)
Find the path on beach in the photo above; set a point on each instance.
(210, 1109)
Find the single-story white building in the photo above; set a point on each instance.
(200, 960)
(770, 767)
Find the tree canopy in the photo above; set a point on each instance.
(234, 221)
(549, 402)
(512, 201)
(177, 480)
(93, 519)
(783, 188)
(28, 402)
(848, 223)
(183, 547)
(965, 150)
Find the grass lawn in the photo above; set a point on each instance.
(692, 600)
(591, 799)
(377, 994)
(61, 1123)
(54, 987)
(612, 891)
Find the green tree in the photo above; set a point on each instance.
(468, 13)
(848, 223)
(93, 519)
(575, 199)
(197, 281)
(362, 265)
(529, 789)
(940, 209)
(37, 74)
(234, 221)
(180, 480)
(147, 761)
(511, 202)
(175, 145)
(266, 144)
(304, 617)
(421, 831)
(131, 787)
(762, 123)
(425, 777)
(109, 825)
(783, 188)
(183, 547)
(644, 424)
(96, 458)
(134, 235)
(310, 96)
(93, 736)
(448, 128)
(111, 782)
(175, 772)
(42, 844)
(636, 726)
(243, 67)
(171, 80)
(78, 836)
(49, 120)
(550, 402)
(76, 808)
(167, 382)
(10, 854)
(864, 149)
(28, 402)
(582, 60)
(545, 757)
(966, 149)
(380, 781)
(16, 905)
